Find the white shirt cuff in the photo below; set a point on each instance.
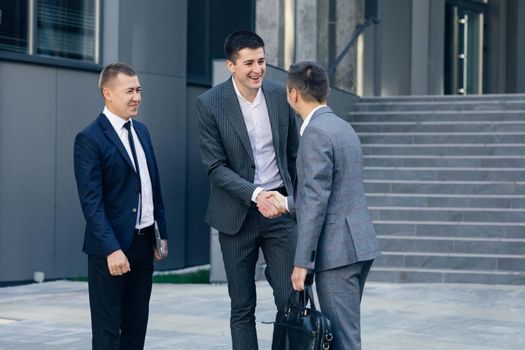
(256, 193)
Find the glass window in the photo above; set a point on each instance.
(51, 28)
(13, 25)
(66, 28)
(209, 23)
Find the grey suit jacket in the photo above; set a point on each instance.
(334, 226)
(227, 154)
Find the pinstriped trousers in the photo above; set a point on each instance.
(277, 239)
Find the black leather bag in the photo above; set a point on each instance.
(302, 328)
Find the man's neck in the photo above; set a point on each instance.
(116, 115)
(308, 107)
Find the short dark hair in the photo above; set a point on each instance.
(310, 80)
(239, 40)
(111, 71)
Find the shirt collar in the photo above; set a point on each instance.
(308, 117)
(116, 121)
(255, 102)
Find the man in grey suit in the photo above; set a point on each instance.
(336, 238)
(249, 143)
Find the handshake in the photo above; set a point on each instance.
(271, 204)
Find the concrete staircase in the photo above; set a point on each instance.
(445, 182)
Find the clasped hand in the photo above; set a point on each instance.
(271, 204)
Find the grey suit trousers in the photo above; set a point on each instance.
(340, 291)
(277, 239)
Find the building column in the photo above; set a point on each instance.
(427, 47)
(349, 14)
(269, 25)
(306, 30)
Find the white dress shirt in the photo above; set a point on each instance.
(146, 217)
(267, 175)
(308, 117)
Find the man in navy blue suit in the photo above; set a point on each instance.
(119, 189)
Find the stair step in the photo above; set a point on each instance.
(449, 229)
(442, 98)
(517, 161)
(473, 149)
(438, 126)
(445, 200)
(441, 138)
(438, 116)
(449, 214)
(445, 183)
(450, 173)
(493, 187)
(391, 243)
(460, 105)
(411, 275)
(487, 262)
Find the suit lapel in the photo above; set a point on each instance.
(141, 133)
(273, 114)
(233, 113)
(112, 135)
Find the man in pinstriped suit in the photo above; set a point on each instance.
(249, 143)
(336, 236)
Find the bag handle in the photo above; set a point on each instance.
(309, 295)
(301, 299)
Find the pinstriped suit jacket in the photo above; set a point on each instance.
(333, 223)
(227, 154)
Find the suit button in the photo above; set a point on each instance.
(134, 210)
(252, 166)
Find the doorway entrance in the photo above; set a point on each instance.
(464, 46)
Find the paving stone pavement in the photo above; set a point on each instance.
(55, 315)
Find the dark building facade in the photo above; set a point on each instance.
(51, 52)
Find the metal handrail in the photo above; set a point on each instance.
(358, 30)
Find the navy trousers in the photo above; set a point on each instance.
(120, 304)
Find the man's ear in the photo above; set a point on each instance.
(230, 65)
(106, 93)
(294, 95)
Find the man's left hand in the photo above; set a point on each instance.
(298, 277)
(156, 253)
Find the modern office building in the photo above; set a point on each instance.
(51, 52)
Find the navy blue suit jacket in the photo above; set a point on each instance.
(108, 186)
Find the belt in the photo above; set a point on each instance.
(281, 190)
(145, 230)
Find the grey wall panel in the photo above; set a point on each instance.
(512, 46)
(78, 103)
(27, 163)
(520, 50)
(371, 66)
(395, 47)
(163, 109)
(42, 109)
(197, 189)
(341, 102)
(110, 31)
(436, 58)
(420, 32)
(153, 36)
(497, 48)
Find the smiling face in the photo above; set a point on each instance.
(248, 71)
(122, 95)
